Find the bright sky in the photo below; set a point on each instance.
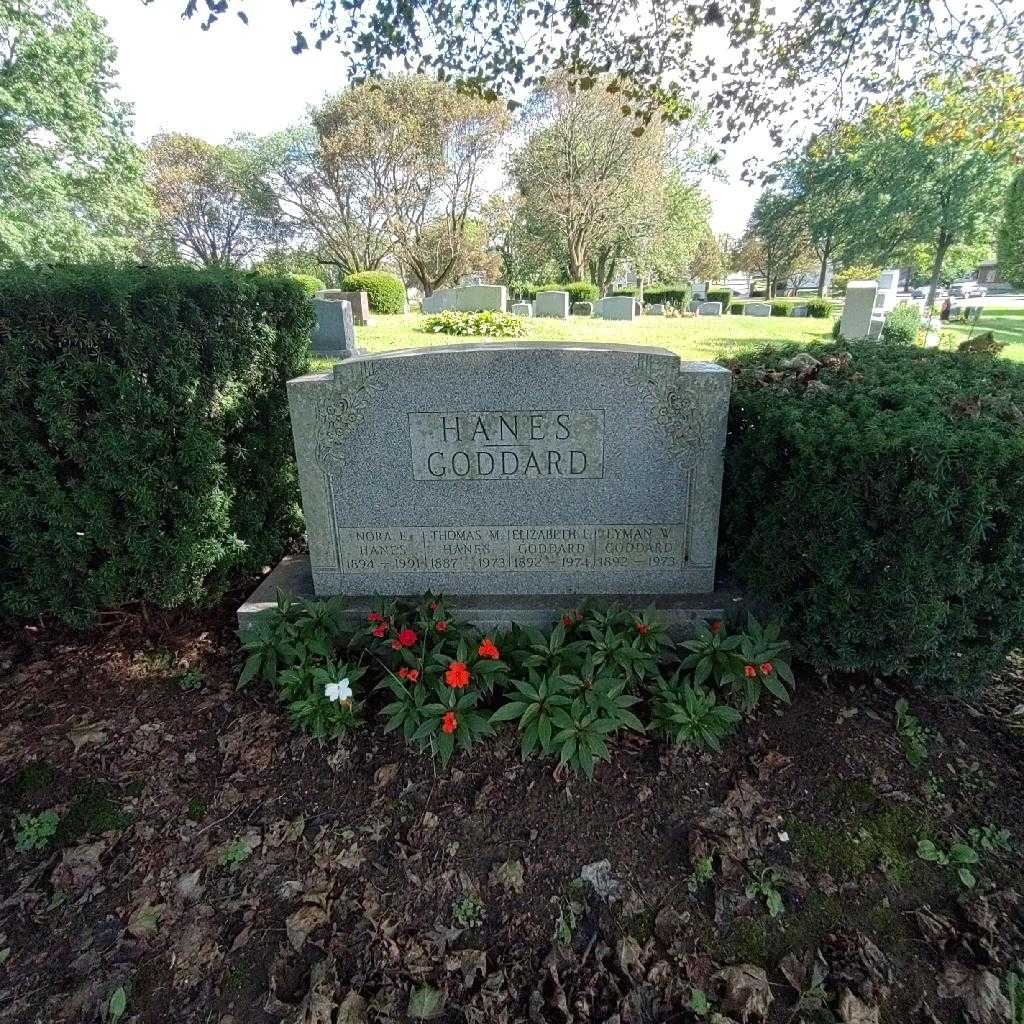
(237, 78)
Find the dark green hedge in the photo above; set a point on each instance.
(145, 447)
(673, 294)
(876, 501)
(385, 292)
(820, 309)
(722, 295)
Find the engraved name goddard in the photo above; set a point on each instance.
(507, 444)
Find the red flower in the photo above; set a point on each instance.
(380, 630)
(487, 649)
(395, 645)
(442, 626)
(433, 606)
(716, 626)
(767, 668)
(750, 671)
(414, 675)
(457, 675)
(407, 637)
(567, 620)
(449, 723)
(374, 617)
(642, 628)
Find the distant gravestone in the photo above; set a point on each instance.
(334, 336)
(758, 309)
(521, 309)
(617, 307)
(474, 298)
(858, 308)
(656, 309)
(437, 301)
(359, 302)
(700, 290)
(552, 303)
(513, 478)
(709, 309)
(470, 280)
(638, 308)
(799, 311)
(582, 309)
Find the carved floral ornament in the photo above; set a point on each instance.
(684, 405)
(339, 408)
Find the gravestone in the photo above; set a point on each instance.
(358, 300)
(552, 303)
(709, 309)
(855, 323)
(471, 299)
(471, 280)
(638, 308)
(334, 336)
(656, 309)
(700, 290)
(582, 309)
(514, 478)
(617, 307)
(799, 311)
(757, 309)
(521, 309)
(437, 301)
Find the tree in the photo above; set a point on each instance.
(938, 163)
(1011, 234)
(215, 207)
(797, 64)
(587, 182)
(70, 178)
(777, 241)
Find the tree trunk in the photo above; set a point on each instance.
(823, 273)
(942, 244)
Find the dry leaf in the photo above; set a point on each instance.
(853, 1011)
(305, 920)
(746, 992)
(508, 876)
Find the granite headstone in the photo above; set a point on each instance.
(552, 303)
(334, 336)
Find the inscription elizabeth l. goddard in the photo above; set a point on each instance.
(531, 444)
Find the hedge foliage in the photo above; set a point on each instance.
(901, 326)
(722, 295)
(579, 291)
(385, 292)
(310, 284)
(670, 294)
(876, 501)
(821, 309)
(145, 447)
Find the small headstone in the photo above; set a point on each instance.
(438, 300)
(358, 300)
(656, 309)
(709, 309)
(858, 308)
(638, 308)
(582, 309)
(470, 280)
(521, 309)
(553, 303)
(758, 309)
(334, 336)
(799, 311)
(617, 307)
(477, 298)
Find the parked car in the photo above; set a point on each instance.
(922, 293)
(967, 290)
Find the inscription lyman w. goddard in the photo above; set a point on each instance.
(502, 445)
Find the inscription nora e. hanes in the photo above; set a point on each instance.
(512, 469)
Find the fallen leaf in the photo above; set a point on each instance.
(188, 887)
(425, 1003)
(853, 1011)
(146, 920)
(352, 1010)
(978, 993)
(305, 920)
(79, 866)
(508, 876)
(86, 734)
(746, 992)
(319, 1005)
(602, 881)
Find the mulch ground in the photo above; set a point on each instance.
(212, 866)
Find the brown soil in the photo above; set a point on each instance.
(217, 867)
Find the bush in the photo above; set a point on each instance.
(309, 284)
(385, 292)
(821, 309)
(876, 501)
(854, 273)
(782, 307)
(146, 446)
(901, 326)
(722, 295)
(579, 291)
(671, 294)
(489, 323)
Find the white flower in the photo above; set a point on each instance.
(783, 837)
(341, 690)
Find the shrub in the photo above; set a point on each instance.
(722, 295)
(671, 294)
(782, 307)
(309, 284)
(385, 292)
(853, 273)
(821, 309)
(875, 500)
(146, 446)
(901, 326)
(982, 344)
(579, 291)
(489, 323)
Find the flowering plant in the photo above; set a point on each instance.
(321, 699)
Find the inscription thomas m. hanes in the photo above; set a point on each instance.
(531, 444)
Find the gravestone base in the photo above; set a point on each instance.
(682, 612)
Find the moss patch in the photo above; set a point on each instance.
(33, 778)
(94, 811)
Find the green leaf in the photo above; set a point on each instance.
(967, 877)
(425, 1003)
(508, 712)
(117, 1005)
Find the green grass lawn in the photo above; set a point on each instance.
(706, 337)
(1007, 324)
